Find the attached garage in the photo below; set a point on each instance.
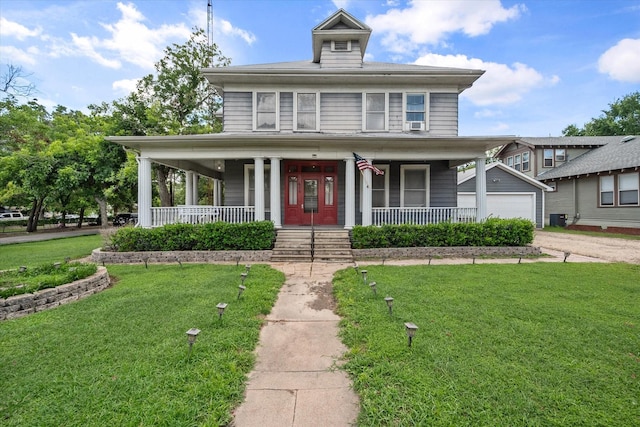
(510, 194)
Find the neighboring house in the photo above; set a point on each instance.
(599, 190)
(533, 156)
(510, 194)
(286, 153)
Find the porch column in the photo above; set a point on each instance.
(219, 192)
(275, 192)
(144, 191)
(188, 194)
(366, 197)
(481, 189)
(215, 192)
(194, 188)
(259, 187)
(349, 193)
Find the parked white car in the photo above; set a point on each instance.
(11, 216)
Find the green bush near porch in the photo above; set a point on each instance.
(217, 236)
(492, 232)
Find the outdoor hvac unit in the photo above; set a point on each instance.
(416, 125)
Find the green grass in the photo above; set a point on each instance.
(592, 233)
(35, 253)
(120, 357)
(16, 282)
(518, 345)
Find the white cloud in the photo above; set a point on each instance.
(228, 29)
(220, 26)
(501, 84)
(18, 56)
(431, 22)
(85, 46)
(19, 31)
(622, 61)
(487, 113)
(125, 86)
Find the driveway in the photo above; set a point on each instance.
(606, 248)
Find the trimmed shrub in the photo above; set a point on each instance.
(217, 236)
(491, 232)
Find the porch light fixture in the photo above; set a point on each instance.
(364, 276)
(192, 335)
(411, 331)
(221, 306)
(241, 290)
(566, 255)
(389, 302)
(372, 285)
(243, 277)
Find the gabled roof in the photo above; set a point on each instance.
(562, 142)
(341, 26)
(620, 153)
(468, 174)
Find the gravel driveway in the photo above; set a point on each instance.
(606, 248)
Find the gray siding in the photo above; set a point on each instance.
(341, 59)
(443, 114)
(234, 182)
(286, 111)
(395, 112)
(340, 112)
(237, 111)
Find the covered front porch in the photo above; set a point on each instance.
(309, 180)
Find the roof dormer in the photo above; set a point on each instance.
(340, 40)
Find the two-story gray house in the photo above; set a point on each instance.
(334, 140)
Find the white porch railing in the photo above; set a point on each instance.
(199, 214)
(381, 216)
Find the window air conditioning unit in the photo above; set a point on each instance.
(416, 125)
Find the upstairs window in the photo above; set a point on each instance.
(525, 161)
(517, 164)
(561, 155)
(415, 105)
(266, 110)
(375, 111)
(606, 190)
(548, 158)
(510, 161)
(628, 186)
(307, 110)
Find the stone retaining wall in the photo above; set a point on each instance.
(101, 257)
(22, 305)
(446, 252)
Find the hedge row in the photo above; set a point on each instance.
(217, 236)
(492, 232)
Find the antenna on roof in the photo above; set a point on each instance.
(210, 26)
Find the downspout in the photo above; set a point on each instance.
(576, 212)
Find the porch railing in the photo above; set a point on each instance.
(201, 214)
(382, 216)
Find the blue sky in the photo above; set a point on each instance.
(549, 63)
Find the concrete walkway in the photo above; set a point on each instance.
(295, 381)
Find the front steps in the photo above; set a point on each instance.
(296, 245)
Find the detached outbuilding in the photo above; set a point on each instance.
(510, 194)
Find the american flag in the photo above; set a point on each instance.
(366, 164)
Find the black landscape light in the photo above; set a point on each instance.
(372, 285)
(389, 302)
(411, 331)
(241, 289)
(221, 306)
(364, 276)
(192, 335)
(243, 277)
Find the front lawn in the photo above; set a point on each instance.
(520, 345)
(35, 253)
(121, 357)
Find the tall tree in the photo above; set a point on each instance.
(176, 100)
(622, 118)
(14, 82)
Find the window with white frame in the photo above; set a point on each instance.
(379, 188)
(628, 187)
(341, 45)
(416, 106)
(525, 161)
(250, 189)
(414, 185)
(606, 190)
(561, 155)
(307, 111)
(375, 111)
(548, 158)
(516, 163)
(266, 110)
(510, 161)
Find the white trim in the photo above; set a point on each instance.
(364, 111)
(295, 111)
(471, 173)
(406, 125)
(247, 168)
(427, 169)
(254, 111)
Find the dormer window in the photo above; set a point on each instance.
(341, 46)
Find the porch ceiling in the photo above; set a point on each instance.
(189, 151)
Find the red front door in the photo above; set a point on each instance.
(311, 193)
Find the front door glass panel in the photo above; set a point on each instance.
(310, 195)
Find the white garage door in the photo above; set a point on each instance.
(504, 205)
